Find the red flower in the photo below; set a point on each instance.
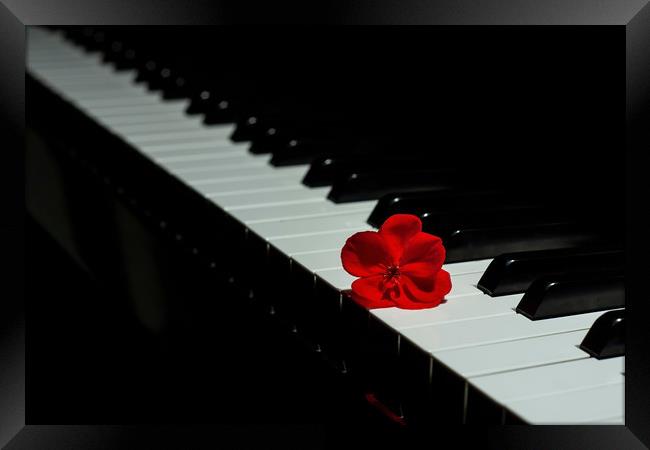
(398, 266)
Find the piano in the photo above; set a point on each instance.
(258, 154)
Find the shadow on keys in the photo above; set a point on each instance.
(91, 360)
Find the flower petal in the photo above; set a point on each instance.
(424, 248)
(370, 292)
(427, 292)
(365, 254)
(397, 230)
(420, 270)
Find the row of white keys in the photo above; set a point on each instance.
(579, 391)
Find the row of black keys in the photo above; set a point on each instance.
(479, 223)
(563, 266)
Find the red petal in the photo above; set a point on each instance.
(424, 248)
(397, 230)
(418, 293)
(365, 254)
(369, 292)
(420, 270)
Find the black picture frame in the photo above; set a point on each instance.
(631, 16)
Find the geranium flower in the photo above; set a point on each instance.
(399, 265)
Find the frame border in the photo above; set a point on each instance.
(633, 15)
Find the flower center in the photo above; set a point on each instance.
(392, 272)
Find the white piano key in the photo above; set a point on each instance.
(42, 59)
(465, 284)
(456, 308)
(549, 379)
(214, 159)
(51, 53)
(242, 186)
(66, 62)
(105, 90)
(295, 174)
(169, 106)
(317, 208)
(83, 73)
(337, 278)
(68, 89)
(279, 197)
(171, 125)
(43, 64)
(576, 407)
(194, 144)
(141, 98)
(319, 260)
(197, 157)
(244, 172)
(209, 168)
(310, 226)
(197, 149)
(491, 330)
(221, 132)
(332, 240)
(56, 48)
(512, 355)
(132, 119)
(64, 83)
(193, 157)
(102, 93)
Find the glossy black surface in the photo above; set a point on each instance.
(514, 272)
(369, 184)
(606, 337)
(466, 244)
(326, 169)
(446, 224)
(574, 293)
(479, 199)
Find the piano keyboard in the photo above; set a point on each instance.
(499, 361)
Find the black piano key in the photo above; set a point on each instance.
(419, 203)
(510, 273)
(176, 85)
(223, 109)
(127, 60)
(114, 51)
(295, 136)
(575, 293)
(271, 139)
(247, 128)
(307, 149)
(466, 244)
(200, 102)
(445, 224)
(257, 116)
(606, 337)
(352, 156)
(359, 186)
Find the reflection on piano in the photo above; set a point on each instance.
(259, 154)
